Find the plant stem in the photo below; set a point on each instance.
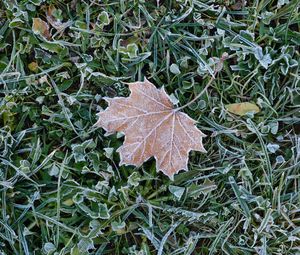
(218, 69)
(198, 96)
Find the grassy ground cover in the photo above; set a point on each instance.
(61, 188)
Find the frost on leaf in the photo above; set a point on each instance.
(40, 27)
(152, 128)
(242, 108)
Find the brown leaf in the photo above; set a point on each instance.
(33, 66)
(57, 24)
(242, 108)
(40, 27)
(152, 128)
(238, 5)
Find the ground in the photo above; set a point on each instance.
(62, 190)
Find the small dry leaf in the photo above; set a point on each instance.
(238, 5)
(152, 128)
(40, 27)
(57, 24)
(33, 66)
(44, 79)
(242, 108)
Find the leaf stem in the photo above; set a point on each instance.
(198, 96)
(218, 69)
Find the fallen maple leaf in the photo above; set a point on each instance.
(152, 127)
